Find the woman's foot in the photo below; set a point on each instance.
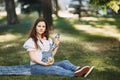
(84, 71)
(90, 70)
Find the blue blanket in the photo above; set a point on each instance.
(15, 70)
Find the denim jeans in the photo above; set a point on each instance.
(15, 70)
(46, 55)
(62, 68)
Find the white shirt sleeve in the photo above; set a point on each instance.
(29, 45)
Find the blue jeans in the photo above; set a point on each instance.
(62, 68)
(15, 70)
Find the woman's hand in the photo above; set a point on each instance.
(50, 61)
(57, 41)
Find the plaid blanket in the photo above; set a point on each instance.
(15, 70)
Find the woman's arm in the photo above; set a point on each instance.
(55, 51)
(36, 60)
(57, 41)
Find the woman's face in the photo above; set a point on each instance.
(41, 27)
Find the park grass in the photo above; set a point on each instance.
(93, 41)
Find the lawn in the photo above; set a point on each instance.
(93, 41)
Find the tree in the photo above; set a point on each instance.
(43, 7)
(47, 11)
(11, 13)
(29, 6)
(113, 4)
(1, 1)
(55, 7)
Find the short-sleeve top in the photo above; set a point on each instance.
(29, 45)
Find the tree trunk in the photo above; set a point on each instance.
(79, 14)
(47, 11)
(11, 13)
(56, 7)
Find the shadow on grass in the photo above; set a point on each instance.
(112, 21)
(107, 74)
(13, 29)
(12, 52)
(67, 27)
(104, 60)
(3, 21)
(77, 52)
(23, 27)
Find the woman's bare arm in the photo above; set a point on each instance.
(57, 41)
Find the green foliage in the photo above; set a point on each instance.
(113, 4)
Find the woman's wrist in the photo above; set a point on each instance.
(57, 46)
(43, 63)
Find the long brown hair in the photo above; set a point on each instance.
(33, 33)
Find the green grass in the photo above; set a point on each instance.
(93, 41)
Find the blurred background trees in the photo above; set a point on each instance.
(43, 7)
(113, 4)
(11, 13)
(46, 8)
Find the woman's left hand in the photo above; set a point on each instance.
(57, 41)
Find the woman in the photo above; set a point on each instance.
(39, 47)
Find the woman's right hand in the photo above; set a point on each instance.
(48, 64)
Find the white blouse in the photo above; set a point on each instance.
(29, 45)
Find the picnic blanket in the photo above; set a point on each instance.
(15, 70)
